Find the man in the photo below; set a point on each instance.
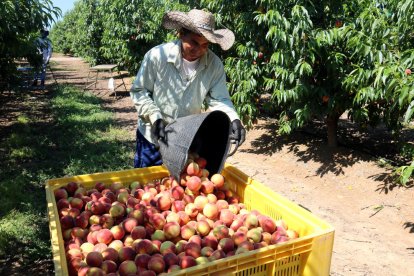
(44, 48)
(176, 78)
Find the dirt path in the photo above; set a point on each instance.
(373, 219)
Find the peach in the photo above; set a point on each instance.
(216, 255)
(157, 220)
(226, 244)
(210, 241)
(71, 187)
(67, 222)
(95, 271)
(194, 183)
(172, 217)
(172, 230)
(196, 239)
(210, 210)
(138, 215)
(187, 261)
(141, 260)
(60, 193)
(138, 232)
(251, 221)
(100, 247)
(110, 254)
(227, 217)
(254, 235)
(94, 259)
(247, 245)
(187, 232)
(118, 232)
(117, 210)
(164, 203)
(167, 247)
(191, 210)
(129, 224)
(109, 266)
(292, 234)
(115, 186)
(177, 192)
(158, 235)
(221, 231)
(156, 264)
(222, 204)
(207, 187)
(202, 162)
(239, 237)
(126, 253)
(127, 267)
(144, 246)
(62, 203)
(107, 221)
(203, 228)
(212, 198)
(171, 259)
(116, 244)
(178, 205)
(218, 180)
(104, 236)
(200, 201)
(192, 169)
(74, 253)
(281, 223)
(206, 251)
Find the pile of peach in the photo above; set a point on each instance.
(161, 226)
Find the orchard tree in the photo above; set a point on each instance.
(319, 59)
(21, 22)
(131, 28)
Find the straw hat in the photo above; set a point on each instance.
(200, 22)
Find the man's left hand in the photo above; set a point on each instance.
(238, 132)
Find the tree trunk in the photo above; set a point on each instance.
(332, 124)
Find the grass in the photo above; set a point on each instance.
(69, 133)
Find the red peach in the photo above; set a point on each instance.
(187, 261)
(126, 253)
(141, 260)
(127, 267)
(156, 264)
(110, 254)
(94, 259)
(194, 183)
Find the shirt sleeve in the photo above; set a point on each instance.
(142, 90)
(218, 98)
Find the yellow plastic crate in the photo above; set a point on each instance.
(310, 254)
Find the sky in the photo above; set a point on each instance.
(64, 5)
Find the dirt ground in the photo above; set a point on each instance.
(373, 218)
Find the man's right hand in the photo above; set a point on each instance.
(158, 130)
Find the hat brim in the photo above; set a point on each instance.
(177, 20)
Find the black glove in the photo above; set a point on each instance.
(158, 131)
(238, 133)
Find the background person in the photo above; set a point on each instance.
(176, 78)
(44, 48)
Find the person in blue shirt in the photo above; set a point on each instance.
(44, 48)
(177, 78)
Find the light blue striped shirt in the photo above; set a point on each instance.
(161, 91)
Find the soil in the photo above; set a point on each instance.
(373, 217)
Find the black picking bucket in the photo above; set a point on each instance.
(207, 134)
